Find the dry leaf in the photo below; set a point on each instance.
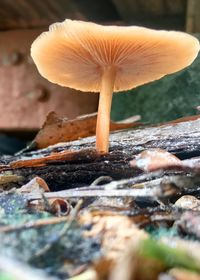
(114, 238)
(115, 232)
(59, 207)
(152, 160)
(35, 185)
(56, 130)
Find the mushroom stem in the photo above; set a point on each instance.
(103, 118)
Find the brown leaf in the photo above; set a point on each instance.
(114, 238)
(155, 159)
(35, 185)
(115, 233)
(56, 130)
(57, 206)
(60, 207)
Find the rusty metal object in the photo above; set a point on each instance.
(25, 97)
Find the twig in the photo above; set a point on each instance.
(34, 224)
(66, 227)
(101, 179)
(78, 193)
(42, 222)
(30, 147)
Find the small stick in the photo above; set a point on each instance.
(77, 193)
(33, 224)
(66, 227)
(43, 222)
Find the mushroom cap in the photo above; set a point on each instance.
(75, 53)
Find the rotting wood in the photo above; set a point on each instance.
(145, 188)
(181, 139)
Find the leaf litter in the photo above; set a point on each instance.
(142, 227)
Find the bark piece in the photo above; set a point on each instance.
(75, 164)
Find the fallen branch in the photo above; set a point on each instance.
(76, 164)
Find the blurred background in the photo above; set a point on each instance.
(26, 98)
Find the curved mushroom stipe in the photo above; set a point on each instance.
(92, 57)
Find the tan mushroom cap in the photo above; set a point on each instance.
(75, 54)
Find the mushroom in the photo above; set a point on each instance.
(106, 59)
